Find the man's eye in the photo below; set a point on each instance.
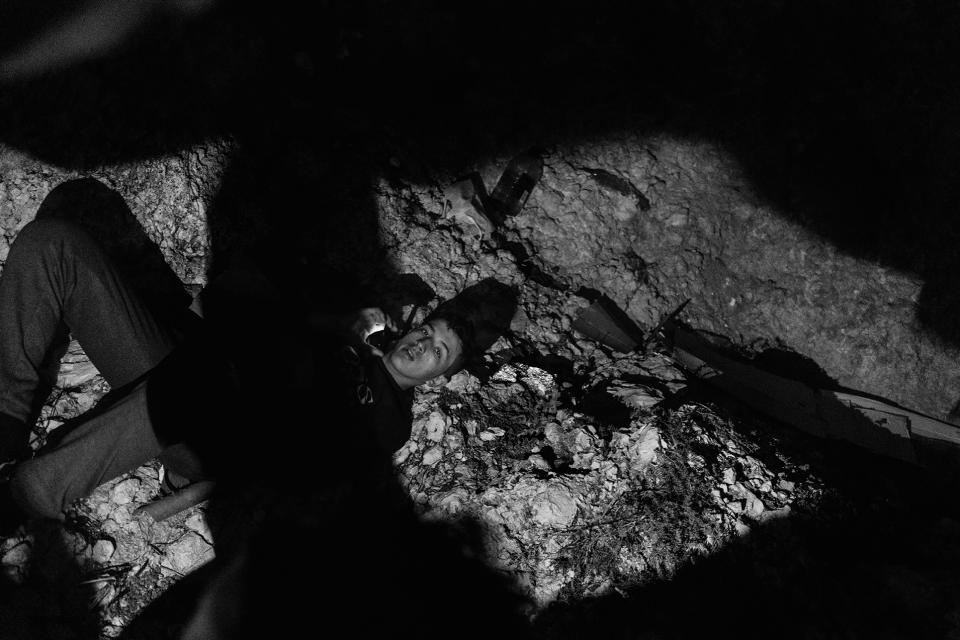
(437, 351)
(424, 331)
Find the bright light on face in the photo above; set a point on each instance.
(423, 354)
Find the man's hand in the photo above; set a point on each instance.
(365, 322)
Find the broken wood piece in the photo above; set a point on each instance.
(875, 424)
(606, 323)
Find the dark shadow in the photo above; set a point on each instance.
(790, 364)
(605, 322)
(54, 600)
(365, 564)
(609, 410)
(406, 289)
(489, 305)
(844, 118)
(168, 614)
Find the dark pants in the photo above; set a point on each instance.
(57, 281)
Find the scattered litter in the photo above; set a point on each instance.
(515, 185)
(433, 455)
(635, 396)
(466, 207)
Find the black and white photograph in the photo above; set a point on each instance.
(510, 319)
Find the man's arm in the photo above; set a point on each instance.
(355, 327)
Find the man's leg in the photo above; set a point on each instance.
(113, 438)
(57, 278)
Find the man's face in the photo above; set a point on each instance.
(423, 354)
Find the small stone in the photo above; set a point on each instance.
(198, 523)
(635, 396)
(754, 506)
(125, 491)
(619, 440)
(103, 550)
(552, 433)
(538, 381)
(539, 462)
(432, 455)
(554, 507)
(404, 452)
(644, 452)
(187, 553)
(453, 441)
(506, 373)
(786, 485)
(17, 557)
(453, 502)
(461, 382)
(729, 476)
(491, 434)
(435, 426)
(583, 439)
(471, 427)
(584, 460)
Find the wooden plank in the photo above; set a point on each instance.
(872, 423)
(786, 400)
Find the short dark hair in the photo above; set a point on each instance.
(463, 327)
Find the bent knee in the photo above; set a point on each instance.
(47, 232)
(34, 492)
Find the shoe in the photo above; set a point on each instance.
(172, 482)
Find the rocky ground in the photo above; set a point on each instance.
(613, 490)
(787, 168)
(576, 505)
(675, 499)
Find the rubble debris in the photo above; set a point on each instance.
(573, 504)
(464, 204)
(603, 322)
